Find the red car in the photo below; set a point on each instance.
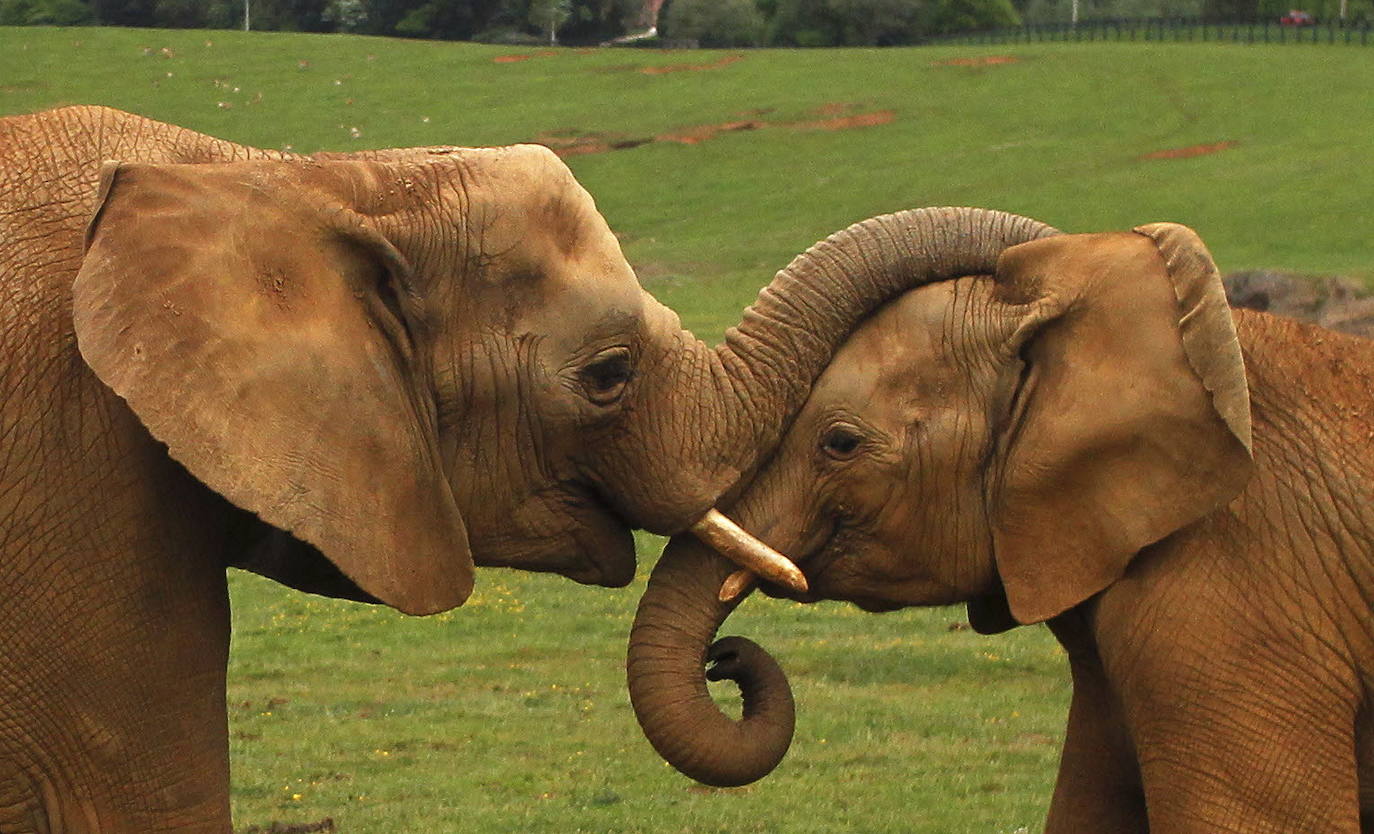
(1296, 17)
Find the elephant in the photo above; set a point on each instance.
(1084, 436)
(361, 375)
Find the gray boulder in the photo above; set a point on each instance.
(1332, 302)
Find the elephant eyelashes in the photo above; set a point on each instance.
(605, 377)
(841, 442)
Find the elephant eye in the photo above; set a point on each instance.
(605, 377)
(841, 442)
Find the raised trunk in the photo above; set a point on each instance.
(787, 337)
(768, 364)
(757, 379)
(677, 618)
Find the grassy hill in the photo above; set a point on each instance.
(715, 168)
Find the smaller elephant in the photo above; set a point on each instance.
(1089, 438)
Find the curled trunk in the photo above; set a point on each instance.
(769, 363)
(676, 621)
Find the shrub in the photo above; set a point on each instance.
(44, 13)
(715, 23)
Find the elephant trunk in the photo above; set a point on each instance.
(720, 411)
(676, 621)
(768, 363)
(787, 337)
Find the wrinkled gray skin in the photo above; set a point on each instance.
(357, 374)
(1067, 442)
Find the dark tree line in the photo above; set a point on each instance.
(495, 20)
(704, 22)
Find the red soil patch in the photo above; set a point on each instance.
(877, 117)
(1191, 150)
(664, 70)
(697, 135)
(586, 143)
(985, 61)
(577, 143)
(524, 56)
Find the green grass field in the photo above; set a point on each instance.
(510, 714)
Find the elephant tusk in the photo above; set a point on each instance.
(731, 541)
(736, 585)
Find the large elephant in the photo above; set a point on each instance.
(358, 374)
(1072, 439)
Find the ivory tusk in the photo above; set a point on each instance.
(732, 542)
(736, 585)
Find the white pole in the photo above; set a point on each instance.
(1344, 3)
(1073, 18)
(245, 15)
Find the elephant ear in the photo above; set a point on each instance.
(262, 328)
(1132, 419)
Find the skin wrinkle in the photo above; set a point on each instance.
(92, 533)
(1231, 649)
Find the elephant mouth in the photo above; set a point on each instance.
(605, 541)
(832, 565)
(566, 530)
(819, 558)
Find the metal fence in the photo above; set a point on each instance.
(1172, 30)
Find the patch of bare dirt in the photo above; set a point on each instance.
(1191, 150)
(523, 56)
(667, 68)
(983, 61)
(578, 144)
(700, 133)
(567, 143)
(877, 117)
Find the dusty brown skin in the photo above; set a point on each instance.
(360, 375)
(1066, 441)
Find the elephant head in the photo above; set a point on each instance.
(430, 359)
(1010, 439)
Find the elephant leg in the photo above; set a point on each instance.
(1245, 735)
(115, 627)
(121, 726)
(1098, 788)
(1220, 767)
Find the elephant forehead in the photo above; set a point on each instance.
(902, 359)
(574, 297)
